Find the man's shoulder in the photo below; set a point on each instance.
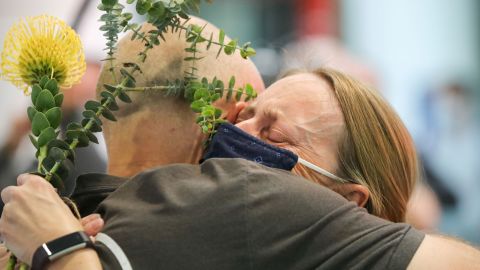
(93, 188)
(235, 214)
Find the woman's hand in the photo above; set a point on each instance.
(92, 225)
(33, 214)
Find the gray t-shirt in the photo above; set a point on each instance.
(235, 214)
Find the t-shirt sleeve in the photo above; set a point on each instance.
(296, 224)
(107, 258)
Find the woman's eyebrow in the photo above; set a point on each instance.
(271, 112)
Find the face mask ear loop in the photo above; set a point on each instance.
(323, 171)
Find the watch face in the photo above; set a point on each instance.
(65, 242)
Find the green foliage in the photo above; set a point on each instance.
(45, 115)
(39, 123)
(55, 155)
(114, 22)
(44, 101)
(54, 116)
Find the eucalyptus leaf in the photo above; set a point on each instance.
(52, 86)
(157, 11)
(89, 114)
(124, 97)
(57, 182)
(36, 89)
(127, 74)
(197, 105)
(44, 101)
(102, 7)
(239, 94)
(31, 111)
(57, 154)
(78, 135)
(127, 16)
(110, 88)
(218, 113)
(112, 105)
(247, 52)
(74, 126)
(221, 37)
(58, 99)
(43, 81)
(59, 144)
(33, 140)
(200, 93)
(109, 3)
(63, 170)
(39, 123)
(231, 83)
(143, 6)
(70, 154)
(91, 137)
(54, 116)
(92, 105)
(95, 127)
(108, 115)
(46, 136)
(107, 95)
(230, 47)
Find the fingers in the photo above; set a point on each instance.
(26, 177)
(8, 193)
(92, 224)
(89, 218)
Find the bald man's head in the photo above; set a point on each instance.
(154, 129)
(165, 62)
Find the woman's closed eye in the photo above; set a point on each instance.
(277, 136)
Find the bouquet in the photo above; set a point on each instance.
(43, 56)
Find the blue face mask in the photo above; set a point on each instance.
(232, 142)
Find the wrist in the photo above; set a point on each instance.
(86, 258)
(59, 247)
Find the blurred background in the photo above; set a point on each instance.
(424, 56)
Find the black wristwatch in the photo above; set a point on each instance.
(59, 247)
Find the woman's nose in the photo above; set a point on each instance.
(249, 126)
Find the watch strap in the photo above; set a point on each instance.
(59, 247)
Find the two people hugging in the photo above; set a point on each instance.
(314, 173)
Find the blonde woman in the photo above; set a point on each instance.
(347, 137)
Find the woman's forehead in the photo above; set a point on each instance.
(306, 92)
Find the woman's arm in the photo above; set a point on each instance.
(440, 252)
(34, 214)
(80, 259)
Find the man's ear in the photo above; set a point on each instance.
(233, 113)
(356, 193)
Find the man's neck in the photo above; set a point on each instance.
(152, 138)
(129, 155)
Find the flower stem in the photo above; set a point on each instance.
(146, 88)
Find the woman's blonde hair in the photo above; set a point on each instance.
(377, 149)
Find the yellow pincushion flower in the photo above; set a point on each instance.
(42, 46)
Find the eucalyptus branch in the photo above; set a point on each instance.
(114, 23)
(194, 34)
(239, 92)
(147, 88)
